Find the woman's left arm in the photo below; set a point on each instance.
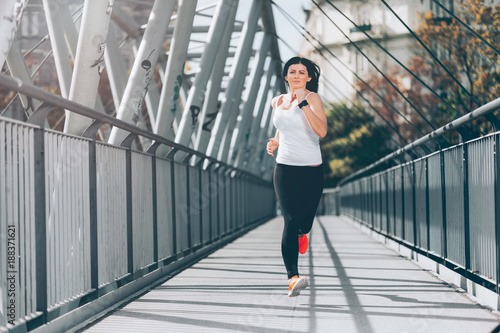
(315, 114)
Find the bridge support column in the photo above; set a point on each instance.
(250, 100)
(211, 105)
(11, 16)
(59, 47)
(90, 53)
(243, 157)
(172, 83)
(237, 75)
(196, 96)
(143, 67)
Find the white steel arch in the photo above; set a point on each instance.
(167, 66)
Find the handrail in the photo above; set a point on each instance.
(479, 112)
(28, 89)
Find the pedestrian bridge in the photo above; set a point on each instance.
(147, 204)
(357, 284)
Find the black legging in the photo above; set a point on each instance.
(299, 190)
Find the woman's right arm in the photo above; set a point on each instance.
(273, 142)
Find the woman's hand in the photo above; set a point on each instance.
(300, 94)
(272, 145)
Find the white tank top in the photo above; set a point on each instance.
(298, 143)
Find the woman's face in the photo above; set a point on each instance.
(297, 76)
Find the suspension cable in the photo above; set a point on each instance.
(399, 62)
(403, 66)
(375, 66)
(331, 86)
(288, 17)
(431, 53)
(358, 92)
(399, 145)
(466, 26)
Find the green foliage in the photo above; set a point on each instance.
(466, 56)
(470, 61)
(353, 141)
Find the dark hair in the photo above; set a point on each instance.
(312, 70)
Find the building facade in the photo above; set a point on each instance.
(344, 52)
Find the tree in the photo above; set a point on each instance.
(391, 106)
(469, 60)
(353, 141)
(467, 57)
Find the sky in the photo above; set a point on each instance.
(284, 29)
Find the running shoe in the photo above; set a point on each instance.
(303, 244)
(296, 285)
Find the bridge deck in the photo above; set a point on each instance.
(356, 285)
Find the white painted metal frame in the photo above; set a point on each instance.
(165, 51)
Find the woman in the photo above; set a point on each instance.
(300, 121)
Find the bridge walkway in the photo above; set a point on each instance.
(357, 284)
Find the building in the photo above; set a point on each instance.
(340, 27)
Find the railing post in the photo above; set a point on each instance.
(427, 205)
(403, 204)
(90, 133)
(387, 213)
(444, 243)
(127, 142)
(414, 203)
(465, 161)
(393, 226)
(170, 156)
(200, 203)
(39, 118)
(210, 198)
(371, 202)
(40, 224)
(188, 213)
(152, 150)
(497, 208)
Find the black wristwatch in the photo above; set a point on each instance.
(303, 103)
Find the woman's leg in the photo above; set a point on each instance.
(312, 189)
(287, 188)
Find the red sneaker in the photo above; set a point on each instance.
(296, 285)
(303, 244)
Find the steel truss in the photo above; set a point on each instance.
(191, 71)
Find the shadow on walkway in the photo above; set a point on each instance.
(356, 285)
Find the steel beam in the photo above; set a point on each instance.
(64, 34)
(17, 67)
(264, 162)
(196, 95)
(69, 26)
(115, 66)
(12, 11)
(88, 61)
(246, 153)
(236, 80)
(143, 67)
(211, 105)
(167, 108)
(247, 112)
(59, 47)
(267, 129)
(205, 28)
(127, 23)
(133, 30)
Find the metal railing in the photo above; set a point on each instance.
(329, 203)
(445, 205)
(80, 219)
